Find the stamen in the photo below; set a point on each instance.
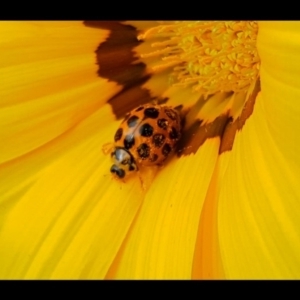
(210, 56)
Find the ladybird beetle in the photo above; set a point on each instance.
(146, 137)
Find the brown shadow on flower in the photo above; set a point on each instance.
(118, 62)
(232, 127)
(223, 127)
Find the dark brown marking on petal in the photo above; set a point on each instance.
(178, 107)
(118, 134)
(127, 100)
(161, 101)
(187, 137)
(115, 56)
(118, 62)
(195, 136)
(232, 127)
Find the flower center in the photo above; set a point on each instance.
(210, 56)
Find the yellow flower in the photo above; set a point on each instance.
(226, 207)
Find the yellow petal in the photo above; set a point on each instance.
(71, 221)
(207, 263)
(89, 225)
(54, 180)
(161, 243)
(259, 195)
(53, 78)
(41, 103)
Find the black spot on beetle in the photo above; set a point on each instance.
(166, 149)
(119, 172)
(151, 112)
(158, 139)
(162, 123)
(143, 150)
(118, 134)
(171, 114)
(146, 130)
(132, 121)
(131, 168)
(129, 141)
(174, 134)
